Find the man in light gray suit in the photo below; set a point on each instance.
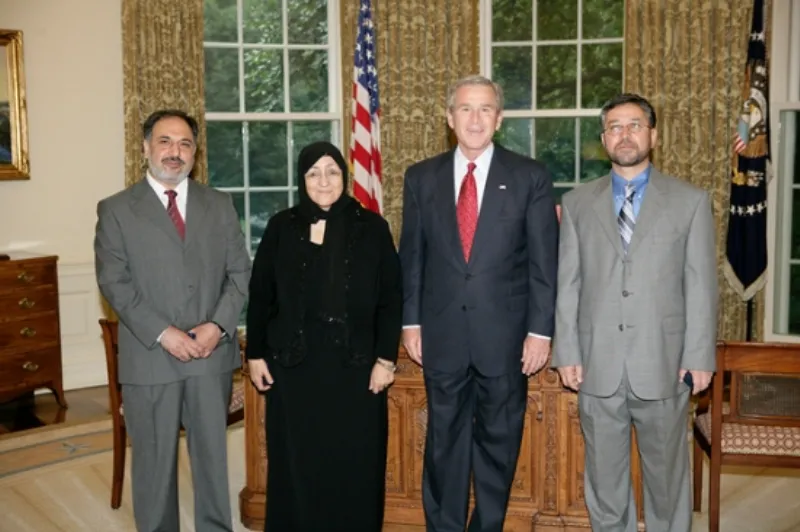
(172, 262)
(636, 310)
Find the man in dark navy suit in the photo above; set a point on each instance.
(479, 251)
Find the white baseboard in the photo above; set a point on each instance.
(82, 353)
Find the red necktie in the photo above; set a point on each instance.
(467, 210)
(174, 213)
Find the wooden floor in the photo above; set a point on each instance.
(32, 411)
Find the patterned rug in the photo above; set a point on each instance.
(52, 445)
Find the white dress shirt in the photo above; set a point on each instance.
(182, 189)
(481, 171)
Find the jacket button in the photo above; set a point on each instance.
(621, 327)
(464, 308)
(625, 293)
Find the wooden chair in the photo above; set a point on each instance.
(759, 425)
(110, 329)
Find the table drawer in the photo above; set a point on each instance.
(28, 303)
(29, 334)
(19, 274)
(26, 370)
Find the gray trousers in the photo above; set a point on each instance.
(661, 433)
(154, 415)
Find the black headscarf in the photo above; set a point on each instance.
(332, 260)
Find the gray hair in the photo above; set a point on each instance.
(472, 81)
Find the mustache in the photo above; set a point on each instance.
(173, 160)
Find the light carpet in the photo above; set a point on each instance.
(58, 479)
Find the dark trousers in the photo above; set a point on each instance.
(474, 426)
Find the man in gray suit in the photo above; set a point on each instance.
(636, 311)
(478, 248)
(172, 262)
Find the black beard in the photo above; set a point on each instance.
(640, 158)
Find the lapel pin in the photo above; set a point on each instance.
(502, 187)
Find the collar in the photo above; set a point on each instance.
(618, 183)
(181, 189)
(482, 162)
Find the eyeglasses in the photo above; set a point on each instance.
(617, 129)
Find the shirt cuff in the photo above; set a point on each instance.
(539, 336)
(411, 326)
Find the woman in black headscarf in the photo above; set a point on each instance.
(323, 330)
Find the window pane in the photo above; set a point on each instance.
(225, 160)
(262, 21)
(555, 147)
(603, 18)
(511, 68)
(557, 20)
(238, 203)
(222, 80)
(263, 81)
(219, 23)
(602, 73)
(308, 21)
(594, 159)
(794, 300)
(515, 134)
(512, 20)
(555, 77)
(795, 253)
(267, 154)
(263, 205)
(304, 133)
(308, 80)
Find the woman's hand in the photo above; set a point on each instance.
(259, 374)
(382, 376)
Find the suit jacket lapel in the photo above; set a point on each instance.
(148, 207)
(446, 206)
(196, 211)
(604, 208)
(650, 210)
(491, 205)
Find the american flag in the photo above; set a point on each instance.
(365, 141)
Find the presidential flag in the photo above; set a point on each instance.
(746, 254)
(365, 140)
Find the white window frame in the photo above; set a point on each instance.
(784, 63)
(335, 104)
(486, 46)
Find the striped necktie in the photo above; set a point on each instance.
(626, 219)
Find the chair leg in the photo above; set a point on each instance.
(697, 466)
(120, 446)
(713, 493)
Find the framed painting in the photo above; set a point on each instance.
(14, 160)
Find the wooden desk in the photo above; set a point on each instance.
(547, 494)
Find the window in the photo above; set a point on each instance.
(783, 192)
(271, 87)
(557, 62)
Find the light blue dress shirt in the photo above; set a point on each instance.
(639, 184)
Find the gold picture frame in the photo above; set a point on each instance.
(14, 160)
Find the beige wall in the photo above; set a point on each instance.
(73, 69)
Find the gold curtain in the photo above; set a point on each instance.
(688, 58)
(422, 47)
(162, 65)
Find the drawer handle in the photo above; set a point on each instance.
(27, 331)
(26, 303)
(25, 277)
(30, 366)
